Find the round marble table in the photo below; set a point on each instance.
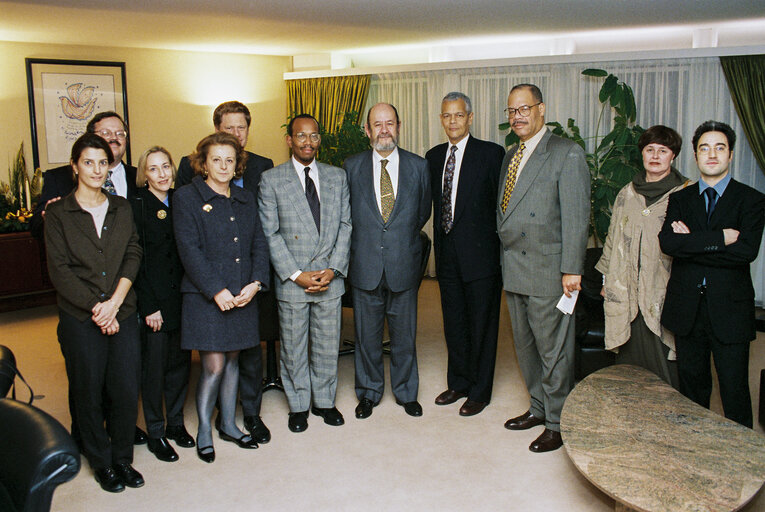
(651, 449)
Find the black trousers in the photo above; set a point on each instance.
(164, 375)
(471, 323)
(731, 362)
(251, 359)
(98, 365)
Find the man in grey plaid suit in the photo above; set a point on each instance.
(306, 217)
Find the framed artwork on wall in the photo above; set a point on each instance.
(63, 96)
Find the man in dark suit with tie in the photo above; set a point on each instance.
(234, 117)
(390, 203)
(542, 219)
(464, 178)
(713, 231)
(60, 181)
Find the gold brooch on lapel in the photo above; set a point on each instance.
(161, 214)
(207, 208)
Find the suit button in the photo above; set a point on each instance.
(532, 214)
(232, 218)
(237, 260)
(103, 273)
(100, 251)
(523, 252)
(523, 235)
(385, 229)
(236, 239)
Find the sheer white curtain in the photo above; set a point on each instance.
(681, 93)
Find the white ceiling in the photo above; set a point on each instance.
(283, 27)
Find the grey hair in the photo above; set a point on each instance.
(454, 96)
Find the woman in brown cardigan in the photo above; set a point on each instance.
(93, 258)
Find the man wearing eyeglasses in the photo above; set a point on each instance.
(543, 212)
(306, 217)
(464, 178)
(60, 181)
(234, 117)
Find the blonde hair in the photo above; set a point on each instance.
(140, 175)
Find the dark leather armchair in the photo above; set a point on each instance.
(38, 455)
(591, 354)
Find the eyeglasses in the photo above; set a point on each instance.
(107, 134)
(301, 137)
(524, 111)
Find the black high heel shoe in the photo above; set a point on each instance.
(241, 443)
(204, 454)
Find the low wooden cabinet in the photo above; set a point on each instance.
(24, 280)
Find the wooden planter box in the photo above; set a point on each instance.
(24, 278)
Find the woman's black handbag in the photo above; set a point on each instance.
(8, 373)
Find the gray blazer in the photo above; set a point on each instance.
(545, 227)
(393, 247)
(289, 227)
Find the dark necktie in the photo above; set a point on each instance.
(447, 218)
(313, 198)
(711, 202)
(109, 184)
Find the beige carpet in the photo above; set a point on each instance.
(388, 462)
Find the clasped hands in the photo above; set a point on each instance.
(315, 281)
(226, 300)
(730, 235)
(105, 317)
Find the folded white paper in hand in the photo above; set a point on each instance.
(566, 304)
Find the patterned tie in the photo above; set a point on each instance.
(109, 184)
(512, 175)
(387, 199)
(313, 198)
(711, 202)
(447, 219)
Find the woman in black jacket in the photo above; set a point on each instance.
(164, 365)
(93, 258)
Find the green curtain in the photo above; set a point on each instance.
(746, 80)
(327, 99)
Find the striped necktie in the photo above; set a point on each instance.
(512, 175)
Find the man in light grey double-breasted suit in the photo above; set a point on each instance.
(542, 220)
(390, 203)
(306, 217)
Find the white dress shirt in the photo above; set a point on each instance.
(461, 145)
(531, 145)
(313, 173)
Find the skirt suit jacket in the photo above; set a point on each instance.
(222, 246)
(158, 283)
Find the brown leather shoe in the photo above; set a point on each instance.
(524, 421)
(549, 440)
(471, 407)
(449, 397)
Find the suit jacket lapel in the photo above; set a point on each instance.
(467, 179)
(295, 190)
(366, 171)
(327, 187)
(723, 204)
(404, 186)
(529, 173)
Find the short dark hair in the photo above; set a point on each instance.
(230, 107)
(714, 126)
(85, 141)
(198, 158)
(301, 116)
(660, 134)
(391, 106)
(91, 127)
(535, 92)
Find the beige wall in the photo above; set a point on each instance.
(171, 96)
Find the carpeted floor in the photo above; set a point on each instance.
(388, 462)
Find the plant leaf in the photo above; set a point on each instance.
(608, 86)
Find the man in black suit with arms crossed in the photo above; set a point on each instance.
(464, 180)
(713, 231)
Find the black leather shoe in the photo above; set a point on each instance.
(257, 429)
(140, 436)
(471, 407)
(162, 449)
(129, 476)
(181, 437)
(524, 421)
(206, 453)
(109, 480)
(364, 409)
(331, 415)
(298, 421)
(549, 440)
(240, 442)
(449, 397)
(411, 408)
